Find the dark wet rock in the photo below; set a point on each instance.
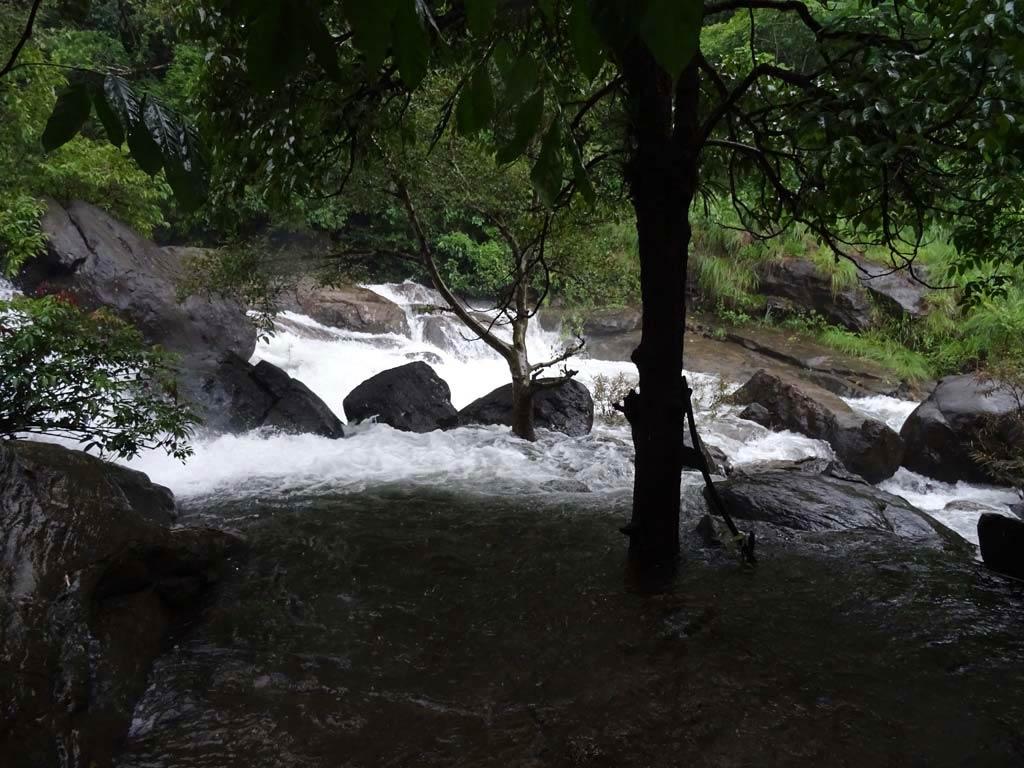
(568, 408)
(804, 500)
(350, 307)
(864, 445)
(243, 396)
(1002, 543)
(89, 586)
(444, 332)
(715, 458)
(430, 358)
(758, 414)
(1018, 510)
(103, 263)
(412, 398)
(100, 262)
(607, 322)
(801, 282)
(963, 414)
(967, 505)
(895, 291)
(707, 532)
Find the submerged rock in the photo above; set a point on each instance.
(864, 445)
(1002, 543)
(567, 408)
(243, 396)
(800, 498)
(412, 398)
(962, 415)
(350, 307)
(90, 583)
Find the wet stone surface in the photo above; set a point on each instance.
(424, 628)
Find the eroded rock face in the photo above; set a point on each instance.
(1002, 543)
(350, 307)
(245, 396)
(897, 292)
(90, 582)
(864, 445)
(802, 499)
(800, 281)
(104, 263)
(412, 398)
(606, 322)
(568, 408)
(961, 415)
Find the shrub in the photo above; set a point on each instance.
(88, 377)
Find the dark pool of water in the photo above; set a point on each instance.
(413, 629)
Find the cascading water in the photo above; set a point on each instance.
(487, 459)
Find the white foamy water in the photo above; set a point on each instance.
(489, 459)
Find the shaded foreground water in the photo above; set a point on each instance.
(417, 627)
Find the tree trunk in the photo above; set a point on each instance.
(522, 409)
(662, 177)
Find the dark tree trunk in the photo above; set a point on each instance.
(522, 409)
(662, 177)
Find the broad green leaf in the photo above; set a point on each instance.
(270, 46)
(586, 45)
(476, 103)
(546, 174)
(122, 101)
(187, 169)
(68, 116)
(322, 44)
(671, 30)
(370, 21)
(412, 44)
(582, 177)
(527, 121)
(521, 79)
(111, 122)
(144, 148)
(504, 57)
(480, 16)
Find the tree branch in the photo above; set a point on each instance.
(25, 35)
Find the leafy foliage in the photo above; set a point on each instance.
(88, 377)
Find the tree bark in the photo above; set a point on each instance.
(662, 177)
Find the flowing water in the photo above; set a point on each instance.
(488, 459)
(461, 599)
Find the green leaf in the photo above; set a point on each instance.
(671, 30)
(476, 103)
(186, 169)
(144, 148)
(546, 174)
(586, 45)
(527, 121)
(111, 123)
(122, 101)
(322, 44)
(480, 16)
(68, 116)
(271, 51)
(547, 7)
(521, 79)
(412, 44)
(370, 21)
(582, 177)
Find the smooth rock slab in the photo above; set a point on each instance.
(568, 408)
(805, 501)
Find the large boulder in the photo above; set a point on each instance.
(608, 322)
(1002, 543)
(802, 283)
(567, 408)
(350, 307)
(412, 398)
(104, 263)
(963, 414)
(800, 498)
(864, 445)
(242, 396)
(894, 290)
(91, 583)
